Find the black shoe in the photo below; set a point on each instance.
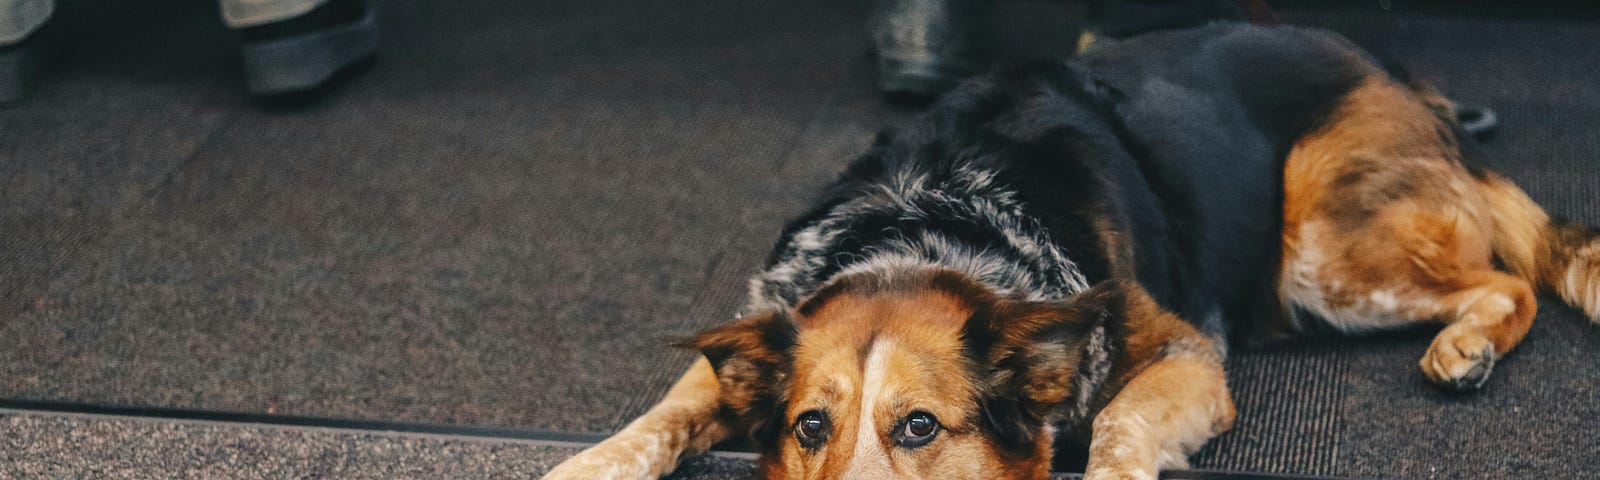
(302, 53)
(925, 47)
(19, 65)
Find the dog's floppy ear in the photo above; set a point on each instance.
(752, 357)
(1029, 352)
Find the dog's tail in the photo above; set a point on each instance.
(1550, 253)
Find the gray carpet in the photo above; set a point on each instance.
(46, 446)
(500, 224)
(50, 445)
(77, 446)
(503, 222)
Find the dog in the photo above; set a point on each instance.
(1062, 253)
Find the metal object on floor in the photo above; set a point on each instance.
(1478, 121)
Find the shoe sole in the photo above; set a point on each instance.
(18, 66)
(302, 62)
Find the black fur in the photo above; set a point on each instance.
(1156, 159)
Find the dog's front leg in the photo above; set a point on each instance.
(684, 422)
(1161, 416)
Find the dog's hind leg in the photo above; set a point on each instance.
(685, 422)
(1385, 226)
(1487, 317)
(1410, 265)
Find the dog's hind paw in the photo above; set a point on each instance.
(1459, 359)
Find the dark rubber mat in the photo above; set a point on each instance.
(505, 220)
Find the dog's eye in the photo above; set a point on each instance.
(917, 429)
(811, 429)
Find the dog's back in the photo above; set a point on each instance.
(1211, 113)
(1173, 140)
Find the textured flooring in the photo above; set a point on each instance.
(85, 446)
(77, 446)
(505, 220)
(414, 248)
(47, 445)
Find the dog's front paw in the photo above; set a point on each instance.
(1118, 474)
(597, 463)
(570, 471)
(1460, 358)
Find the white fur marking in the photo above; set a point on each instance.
(1304, 284)
(869, 460)
(1043, 271)
(1383, 300)
(1093, 372)
(1503, 303)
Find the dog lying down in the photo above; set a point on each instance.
(1061, 252)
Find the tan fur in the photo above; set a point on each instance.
(1384, 226)
(918, 336)
(1165, 413)
(1563, 258)
(1170, 396)
(870, 353)
(684, 423)
(1175, 389)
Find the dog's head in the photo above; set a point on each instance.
(914, 374)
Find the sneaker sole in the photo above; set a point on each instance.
(18, 67)
(303, 62)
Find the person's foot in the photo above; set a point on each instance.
(19, 64)
(300, 54)
(925, 47)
